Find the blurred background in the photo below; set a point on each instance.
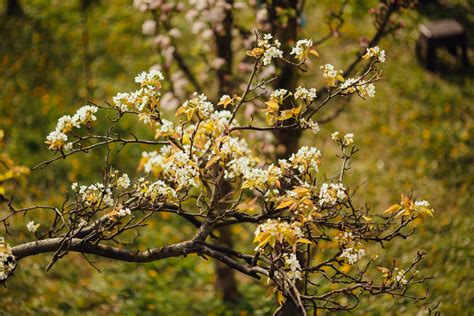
(416, 136)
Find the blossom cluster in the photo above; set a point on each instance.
(353, 85)
(351, 248)
(400, 276)
(199, 105)
(302, 49)
(331, 193)
(272, 50)
(332, 75)
(157, 191)
(274, 114)
(123, 211)
(352, 254)
(285, 236)
(312, 125)
(226, 100)
(150, 79)
(174, 166)
(305, 159)
(7, 260)
(375, 52)
(305, 94)
(280, 94)
(147, 97)
(409, 207)
(95, 194)
(58, 139)
(268, 48)
(123, 182)
(32, 227)
(346, 140)
(253, 177)
(232, 147)
(276, 231)
(293, 266)
(395, 277)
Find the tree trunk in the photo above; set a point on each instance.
(226, 283)
(225, 278)
(223, 42)
(288, 79)
(86, 56)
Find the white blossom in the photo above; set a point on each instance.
(348, 139)
(204, 107)
(280, 94)
(422, 203)
(352, 85)
(166, 128)
(201, 104)
(121, 101)
(66, 123)
(154, 161)
(305, 94)
(122, 212)
(400, 277)
(312, 125)
(32, 227)
(147, 95)
(271, 48)
(158, 191)
(237, 167)
(95, 194)
(351, 248)
(271, 53)
(276, 227)
(331, 74)
(375, 52)
(306, 158)
(149, 78)
(56, 141)
(85, 114)
(367, 90)
(301, 48)
(292, 263)
(149, 27)
(145, 118)
(331, 193)
(235, 147)
(352, 254)
(123, 182)
(225, 99)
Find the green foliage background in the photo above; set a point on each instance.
(415, 136)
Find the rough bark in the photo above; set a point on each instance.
(226, 282)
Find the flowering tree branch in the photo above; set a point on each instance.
(203, 168)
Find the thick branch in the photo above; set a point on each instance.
(77, 245)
